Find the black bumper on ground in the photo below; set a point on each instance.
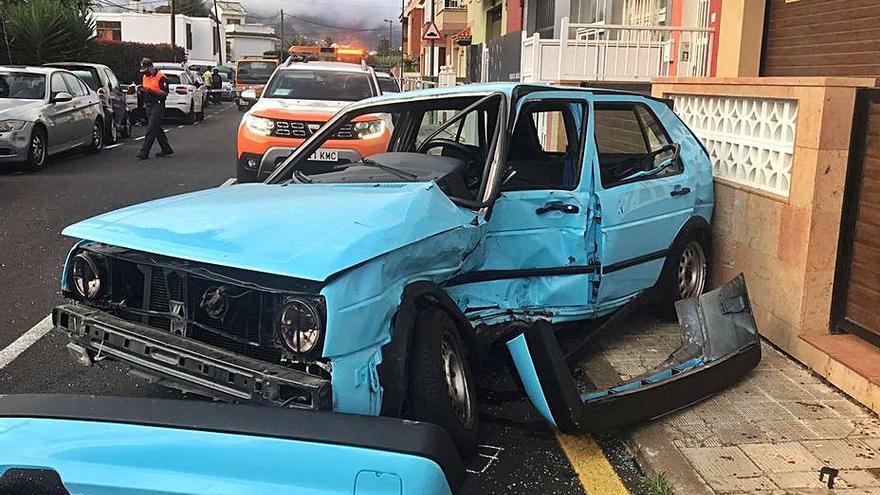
(187, 364)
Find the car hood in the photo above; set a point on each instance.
(308, 231)
(18, 109)
(275, 107)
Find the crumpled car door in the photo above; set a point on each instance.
(720, 344)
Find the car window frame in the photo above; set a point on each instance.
(52, 92)
(112, 80)
(582, 140)
(80, 89)
(642, 128)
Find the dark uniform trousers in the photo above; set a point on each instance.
(155, 114)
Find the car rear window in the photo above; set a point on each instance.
(329, 85)
(255, 72)
(388, 85)
(173, 78)
(89, 75)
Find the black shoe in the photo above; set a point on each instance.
(143, 156)
(165, 153)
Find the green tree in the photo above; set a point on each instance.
(41, 31)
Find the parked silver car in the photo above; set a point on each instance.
(43, 111)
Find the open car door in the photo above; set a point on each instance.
(720, 344)
(74, 444)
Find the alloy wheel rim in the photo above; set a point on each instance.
(456, 382)
(691, 270)
(114, 132)
(37, 149)
(97, 137)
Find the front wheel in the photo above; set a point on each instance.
(125, 132)
(38, 150)
(190, 117)
(441, 385)
(111, 132)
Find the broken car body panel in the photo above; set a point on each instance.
(720, 344)
(562, 253)
(113, 445)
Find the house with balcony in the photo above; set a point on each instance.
(619, 41)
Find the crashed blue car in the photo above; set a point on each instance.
(376, 287)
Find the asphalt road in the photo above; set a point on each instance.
(520, 453)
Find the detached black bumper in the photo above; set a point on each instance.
(188, 364)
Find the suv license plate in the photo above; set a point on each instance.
(325, 156)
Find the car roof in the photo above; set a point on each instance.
(338, 66)
(83, 64)
(511, 89)
(29, 69)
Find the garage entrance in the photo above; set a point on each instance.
(857, 280)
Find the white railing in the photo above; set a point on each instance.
(414, 83)
(610, 52)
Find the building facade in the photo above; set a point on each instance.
(194, 34)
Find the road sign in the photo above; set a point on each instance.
(431, 32)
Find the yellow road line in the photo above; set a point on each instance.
(592, 467)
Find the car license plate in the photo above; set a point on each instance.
(325, 156)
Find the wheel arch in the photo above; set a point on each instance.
(393, 373)
(695, 225)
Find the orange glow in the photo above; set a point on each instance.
(349, 51)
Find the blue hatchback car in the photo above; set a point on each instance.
(376, 287)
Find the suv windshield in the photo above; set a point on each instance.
(332, 85)
(255, 72)
(22, 86)
(89, 75)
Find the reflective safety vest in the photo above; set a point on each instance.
(151, 83)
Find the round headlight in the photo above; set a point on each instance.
(300, 326)
(86, 276)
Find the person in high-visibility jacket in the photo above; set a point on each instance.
(154, 88)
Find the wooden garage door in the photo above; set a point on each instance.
(857, 285)
(822, 38)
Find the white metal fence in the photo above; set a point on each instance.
(610, 52)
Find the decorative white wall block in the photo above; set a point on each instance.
(750, 140)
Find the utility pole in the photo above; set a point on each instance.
(282, 36)
(217, 33)
(402, 9)
(173, 32)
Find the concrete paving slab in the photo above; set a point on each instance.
(794, 480)
(787, 430)
(735, 484)
(782, 457)
(860, 478)
(831, 428)
(721, 462)
(849, 453)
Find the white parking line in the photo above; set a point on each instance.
(139, 138)
(26, 340)
(180, 127)
(110, 147)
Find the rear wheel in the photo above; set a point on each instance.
(125, 131)
(441, 385)
(38, 150)
(97, 141)
(685, 273)
(190, 116)
(111, 132)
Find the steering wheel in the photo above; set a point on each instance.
(473, 157)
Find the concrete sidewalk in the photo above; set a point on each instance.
(772, 433)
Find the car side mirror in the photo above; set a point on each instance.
(61, 97)
(249, 94)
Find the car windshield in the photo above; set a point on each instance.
(448, 140)
(333, 85)
(172, 78)
(388, 85)
(255, 72)
(22, 86)
(89, 75)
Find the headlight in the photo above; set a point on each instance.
(11, 125)
(85, 276)
(300, 326)
(370, 129)
(259, 125)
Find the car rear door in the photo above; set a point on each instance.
(639, 214)
(86, 106)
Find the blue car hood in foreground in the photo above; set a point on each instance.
(308, 231)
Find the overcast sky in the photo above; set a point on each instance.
(355, 13)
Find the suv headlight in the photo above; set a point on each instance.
(259, 125)
(12, 125)
(300, 326)
(369, 129)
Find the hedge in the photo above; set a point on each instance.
(124, 57)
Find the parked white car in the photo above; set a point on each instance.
(186, 99)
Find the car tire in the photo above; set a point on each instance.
(125, 132)
(685, 273)
(38, 151)
(441, 388)
(200, 116)
(97, 137)
(190, 117)
(111, 132)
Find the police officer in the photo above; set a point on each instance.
(154, 88)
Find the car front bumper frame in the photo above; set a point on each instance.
(188, 364)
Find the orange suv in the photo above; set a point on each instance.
(298, 99)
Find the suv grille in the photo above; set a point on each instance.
(300, 129)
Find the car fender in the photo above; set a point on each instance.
(393, 370)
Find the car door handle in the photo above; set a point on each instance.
(680, 191)
(557, 206)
